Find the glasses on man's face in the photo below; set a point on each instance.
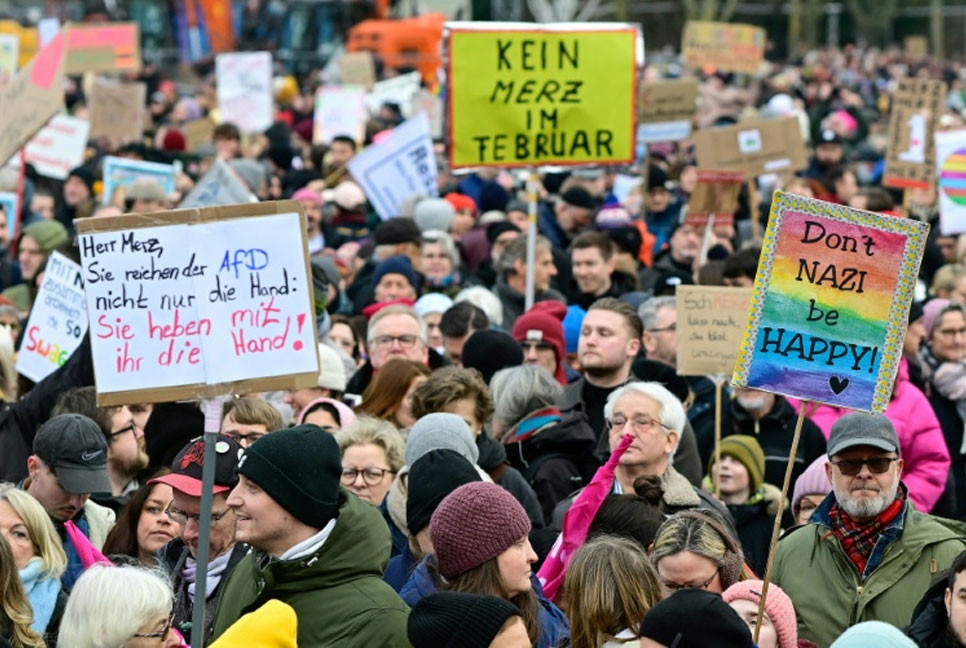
(674, 587)
(852, 467)
(405, 341)
(672, 328)
(640, 423)
(130, 427)
(182, 518)
(371, 476)
(244, 440)
(157, 635)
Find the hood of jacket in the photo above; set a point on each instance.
(571, 435)
(929, 620)
(492, 453)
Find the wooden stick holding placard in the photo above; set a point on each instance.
(753, 206)
(531, 240)
(792, 453)
(719, 381)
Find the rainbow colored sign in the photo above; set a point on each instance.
(830, 303)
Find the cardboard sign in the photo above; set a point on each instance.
(711, 325)
(715, 195)
(666, 109)
(58, 320)
(728, 47)
(121, 172)
(9, 55)
(916, 47)
(107, 47)
(197, 133)
(212, 301)
(951, 177)
(339, 110)
(32, 97)
(244, 82)
(117, 110)
(530, 95)
(219, 186)
(398, 90)
(830, 303)
(398, 166)
(917, 105)
(431, 104)
(755, 147)
(358, 68)
(58, 147)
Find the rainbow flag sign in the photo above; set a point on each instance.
(830, 303)
(951, 175)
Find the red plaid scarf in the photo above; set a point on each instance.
(859, 538)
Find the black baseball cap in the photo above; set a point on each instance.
(74, 447)
(185, 473)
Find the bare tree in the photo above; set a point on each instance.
(873, 18)
(546, 11)
(723, 10)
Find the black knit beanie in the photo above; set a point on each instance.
(458, 620)
(694, 618)
(488, 351)
(300, 468)
(431, 478)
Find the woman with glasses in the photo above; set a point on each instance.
(693, 549)
(119, 607)
(143, 527)
(439, 262)
(372, 454)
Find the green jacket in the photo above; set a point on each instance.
(829, 596)
(337, 592)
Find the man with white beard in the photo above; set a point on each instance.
(866, 554)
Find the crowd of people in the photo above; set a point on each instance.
(467, 472)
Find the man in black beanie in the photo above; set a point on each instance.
(317, 547)
(489, 351)
(462, 620)
(694, 618)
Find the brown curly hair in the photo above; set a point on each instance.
(448, 385)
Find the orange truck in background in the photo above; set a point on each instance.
(404, 43)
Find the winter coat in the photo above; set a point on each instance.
(921, 440)
(754, 520)
(930, 622)
(337, 592)
(513, 302)
(620, 283)
(828, 591)
(493, 460)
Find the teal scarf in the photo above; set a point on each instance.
(42, 589)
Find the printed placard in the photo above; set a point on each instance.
(531, 94)
(729, 47)
(244, 81)
(830, 303)
(711, 326)
(951, 176)
(107, 47)
(910, 155)
(358, 68)
(119, 173)
(199, 302)
(339, 110)
(755, 147)
(715, 194)
(58, 320)
(117, 110)
(398, 166)
(666, 109)
(219, 186)
(58, 147)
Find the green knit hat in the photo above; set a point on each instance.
(747, 450)
(49, 235)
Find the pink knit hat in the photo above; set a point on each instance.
(930, 313)
(778, 607)
(473, 524)
(813, 480)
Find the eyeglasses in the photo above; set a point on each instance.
(638, 423)
(157, 635)
(371, 476)
(674, 587)
(852, 467)
(182, 518)
(671, 328)
(405, 341)
(245, 439)
(951, 333)
(130, 427)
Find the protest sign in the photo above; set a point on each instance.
(666, 109)
(830, 302)
(755, 147)
(728, 47)
(917, 105)
(121, 172)
(711, 325)
(244, 82)
(916, 47)
(358, 68)
(9, 55)
(212, 301)
(107, 47)
(398, 90)
(197, 133)
(951, 176)
(47, 29)
(58, 320)
(431, 104)
(339, 110)
(117, 110)
(715, 194)
(10, 206)
(531, 95)
(219, 186)
(398, 166)
(32, 97)
(58, 147)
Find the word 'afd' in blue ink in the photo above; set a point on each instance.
(252, 259)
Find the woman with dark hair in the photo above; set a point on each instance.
(389, 394)
(143, 527)
(328, 413)
(346, 337)
(636, 516)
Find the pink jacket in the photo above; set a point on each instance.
(920, 438)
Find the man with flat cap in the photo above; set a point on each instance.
(68, 464)
(866, 554)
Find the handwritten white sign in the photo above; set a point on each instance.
(340, 110)
(58, 147)
(245, 89)
(398, 90)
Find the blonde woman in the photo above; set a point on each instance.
(693, 550)
(38, 555)
(610, 586)
(372, 454)
(15, 617)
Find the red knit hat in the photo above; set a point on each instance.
(544, 323)
(459, 201)
(475, 523)
(174, 140)
(778, 607)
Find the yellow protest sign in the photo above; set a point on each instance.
(541, 94)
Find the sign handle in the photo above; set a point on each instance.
(793, 451)
(753, 205)
(718, 380)
(531, 239)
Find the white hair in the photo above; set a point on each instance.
(444, 241)
(520, 391)
(671, 414)
(397, 309)
(485, 300)
(108, 605)
(649, 309)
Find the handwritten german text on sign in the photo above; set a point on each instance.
(830, 303)
(523, 95)
(711, 324)
(917, 106)
(666, 110)
(951, 176)
(117, 110)
(209, 300)
(58, 147)
(724, 46)
(244, 82)
(58, 320)
(339, 110)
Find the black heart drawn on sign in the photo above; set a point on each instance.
(838, 385)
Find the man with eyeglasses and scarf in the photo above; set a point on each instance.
(866, 553)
